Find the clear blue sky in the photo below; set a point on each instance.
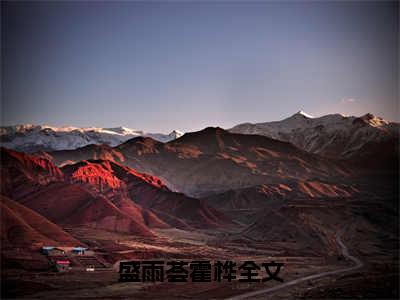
(159, 66)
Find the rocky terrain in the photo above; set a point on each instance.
(212, 194)
(335, 135)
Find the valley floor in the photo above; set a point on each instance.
(376, 278)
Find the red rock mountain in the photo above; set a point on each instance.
(99, 194)
(123, 184)
(22, 227)
(214, 160)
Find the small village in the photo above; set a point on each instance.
(63, 259)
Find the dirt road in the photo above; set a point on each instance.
(357, 265)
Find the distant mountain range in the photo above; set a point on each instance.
(258, 182)
(32, 138)
(334, 135)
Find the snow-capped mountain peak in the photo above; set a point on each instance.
(332, 135)
(121, 130)
(373, 120)
(30, 138)
(303, 114)
(175, 134)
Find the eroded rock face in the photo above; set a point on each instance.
(100, 194)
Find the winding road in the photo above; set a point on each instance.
(357, 265)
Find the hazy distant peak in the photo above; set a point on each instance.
(304, 114)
